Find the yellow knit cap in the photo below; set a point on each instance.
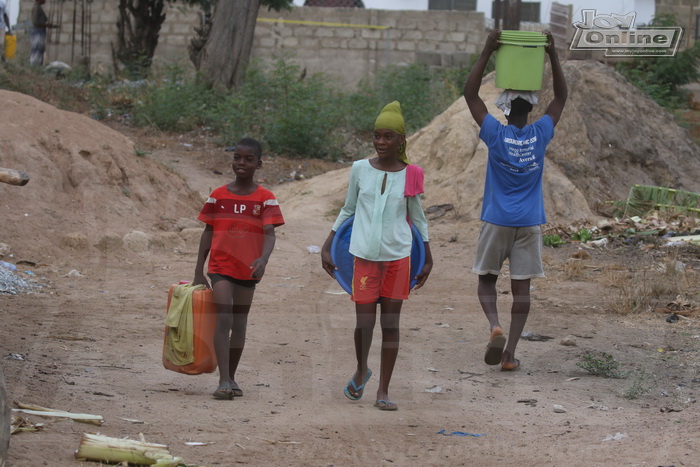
(391, 118)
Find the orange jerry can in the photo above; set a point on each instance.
(204, 325)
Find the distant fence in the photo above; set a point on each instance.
(348, 43)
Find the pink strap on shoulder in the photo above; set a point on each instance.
(414, 180)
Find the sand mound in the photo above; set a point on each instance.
(88, 186)
(90, 189)
(611, 136)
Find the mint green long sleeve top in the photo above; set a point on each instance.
(380, 231)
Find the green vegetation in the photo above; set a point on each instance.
(643, 199)
(603, 365)
(583, 235)
(292, 113)
(552, 240)
(662, 78)
(640, 386)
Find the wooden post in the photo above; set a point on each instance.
(13, 177)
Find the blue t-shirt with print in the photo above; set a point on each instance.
(513, 188)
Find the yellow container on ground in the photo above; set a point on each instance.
(520, 60)
(10, 46)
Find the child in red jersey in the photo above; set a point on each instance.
(240, 220)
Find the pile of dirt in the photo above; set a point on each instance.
(88, 186)
(610, 137)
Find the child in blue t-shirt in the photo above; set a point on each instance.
(513, 206)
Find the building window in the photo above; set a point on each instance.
(461, 5)
(697, 26)
(529, 11)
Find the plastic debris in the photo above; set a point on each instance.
(434, 390)
(313, 249)
(616, 437)
(459, 433)
(529, 336)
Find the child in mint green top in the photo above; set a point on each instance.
(384, 196)
(380, 231)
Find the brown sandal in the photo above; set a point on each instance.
(494, 349)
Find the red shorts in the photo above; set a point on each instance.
(374, 279)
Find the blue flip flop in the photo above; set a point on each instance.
(356, 388)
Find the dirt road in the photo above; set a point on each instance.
(92, 344)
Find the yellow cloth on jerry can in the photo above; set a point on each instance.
(179, 342)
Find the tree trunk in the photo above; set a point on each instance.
(138, 29)
(4, 421)
(225, 54)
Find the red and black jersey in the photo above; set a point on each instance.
(238, 223)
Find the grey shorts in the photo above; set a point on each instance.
(521, 245)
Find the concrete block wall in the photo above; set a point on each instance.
(686, 12)
(353, 43)
(347, 43)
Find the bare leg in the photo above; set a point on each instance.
(232, 306)
(391, 334)
(519, 313)
(366, 317)
(487, 297)
(242, 299)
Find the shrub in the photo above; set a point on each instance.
(662, 78)
(603, 365)
(173, 102)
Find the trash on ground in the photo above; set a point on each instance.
(132, 420)
(616, 437)
(20, 424)
(31, 409)
(459, 433)
(116, 450)
(15, 356)
(529, 336)
(434, 390)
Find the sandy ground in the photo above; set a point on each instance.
(90, 340)
(92, 344)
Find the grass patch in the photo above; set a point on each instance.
(602, 364)
(640, 386)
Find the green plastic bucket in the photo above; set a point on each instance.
(520, 60)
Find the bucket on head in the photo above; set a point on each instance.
(520, 60)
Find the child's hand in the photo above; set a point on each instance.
(258, 267)
(327, 263)
(423, 276)
(199, 279)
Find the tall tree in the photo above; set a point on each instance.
(222, 50)
(138, 28)
(137, 35)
